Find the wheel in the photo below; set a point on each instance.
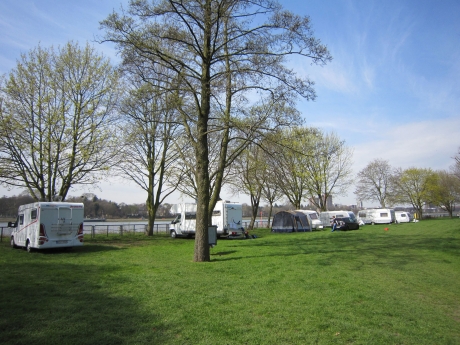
(372, 223)
(28, 247)
(173, 234)
(13, 245)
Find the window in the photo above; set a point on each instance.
(383, 214)
(33, 214)
(21, 219)
(216, 213)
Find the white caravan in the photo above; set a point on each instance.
(326, 217)
(43, 225)
(377, 216)
(403, 217)
(313, 219)
(227, 216)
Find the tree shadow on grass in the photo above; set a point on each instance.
(396, 251)
(43, 303)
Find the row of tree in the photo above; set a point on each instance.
(97, 208)
(199, 82)
(388, 186)
(203, 97)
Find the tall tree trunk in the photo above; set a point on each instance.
(201, 149)
(255, 201)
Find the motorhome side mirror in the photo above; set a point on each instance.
(11, 224)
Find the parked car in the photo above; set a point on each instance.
(347, 223)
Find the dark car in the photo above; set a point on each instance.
(347, 223)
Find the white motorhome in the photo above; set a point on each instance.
(403, 217)
(377, 216)
(227, 216)
(313, 219)
(326, 217)
(43, 225)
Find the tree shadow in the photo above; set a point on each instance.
(46, 303)
(370, 248)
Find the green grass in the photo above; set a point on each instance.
(370, 286)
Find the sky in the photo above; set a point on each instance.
(391, 91)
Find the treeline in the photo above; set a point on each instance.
(100, 208)
(94, 207)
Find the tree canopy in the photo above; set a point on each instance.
(220, 51)
(56, 119)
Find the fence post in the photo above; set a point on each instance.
(121, 230)
(93, 231)
(1, 235)
(107, 230)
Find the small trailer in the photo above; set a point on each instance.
(377, 216)
(403, 217)
(44, 225)
(227, 216)
(313, 219)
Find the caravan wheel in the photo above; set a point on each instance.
(173, 234)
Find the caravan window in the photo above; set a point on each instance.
(403, 215)
(33, 214)
(362, 214)
(384, 214)
(21, 219)
(216, 213)
(313, 216)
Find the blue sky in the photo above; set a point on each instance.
(391, 91)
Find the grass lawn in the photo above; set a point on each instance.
(368, 286)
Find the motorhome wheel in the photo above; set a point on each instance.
(13, 245)
(173, 234)
(28, 247)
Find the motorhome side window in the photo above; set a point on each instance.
(33, 214)
(190, 216)
(216, 213)
(21, 219)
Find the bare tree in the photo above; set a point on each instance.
(374, 182)
(271, 191)
(203, 42)
(288, 161)
(329, 170)
(248, 172)
(147, 153)
(56, 120)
